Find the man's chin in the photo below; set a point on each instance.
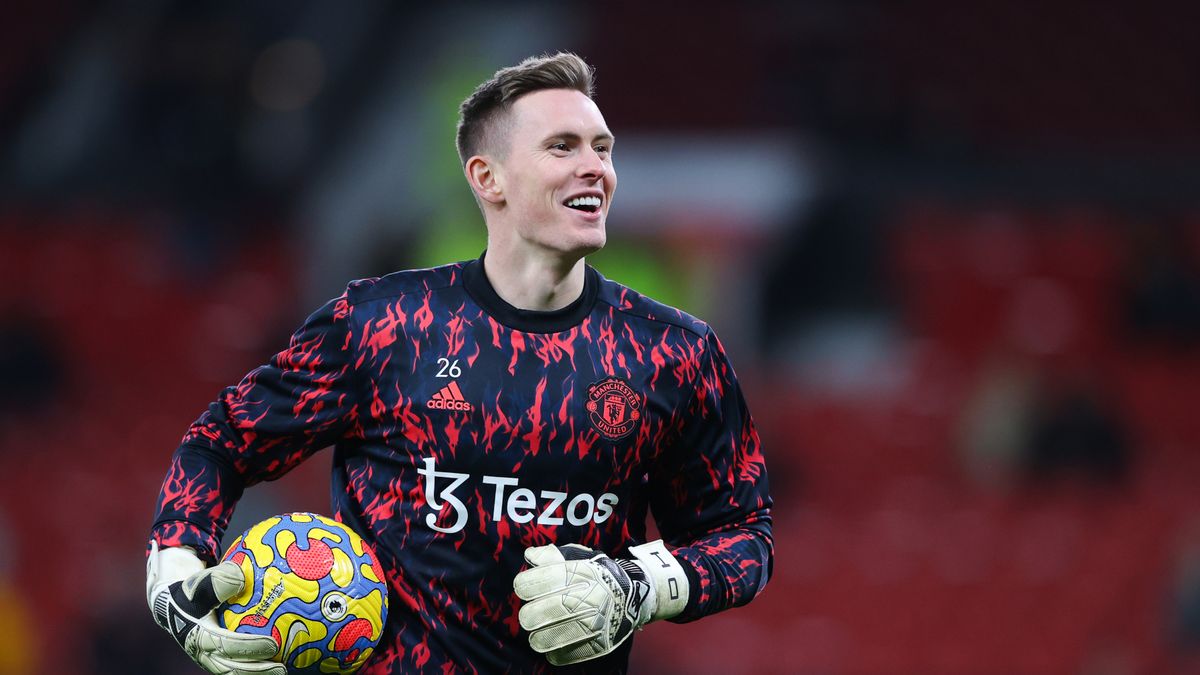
(586, 249)
(577, 242)
(588, 242)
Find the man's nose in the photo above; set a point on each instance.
(591, 165)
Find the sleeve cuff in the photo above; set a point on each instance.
(170, 533)
(696, 587)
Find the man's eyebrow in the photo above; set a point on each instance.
(572, 136)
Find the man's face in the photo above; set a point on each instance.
(557, 174)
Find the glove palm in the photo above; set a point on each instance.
(582, 604)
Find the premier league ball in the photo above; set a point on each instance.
(314, 586)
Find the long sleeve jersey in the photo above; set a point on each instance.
(465, 430)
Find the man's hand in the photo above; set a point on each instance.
(183, 595)
(582, 604)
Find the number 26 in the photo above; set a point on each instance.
(448, 368)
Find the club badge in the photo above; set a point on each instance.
(613, 408)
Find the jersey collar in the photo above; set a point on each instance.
(526, 320)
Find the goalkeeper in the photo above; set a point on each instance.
(501, 428)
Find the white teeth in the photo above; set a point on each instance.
(585, 201)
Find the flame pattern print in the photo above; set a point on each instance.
(465, 430)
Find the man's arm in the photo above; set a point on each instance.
(711, 501)
(305, 398)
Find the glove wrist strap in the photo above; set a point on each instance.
(165, 566)
(666, 576)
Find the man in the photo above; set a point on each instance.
(501, 427)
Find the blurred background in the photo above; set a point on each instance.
(952, 248)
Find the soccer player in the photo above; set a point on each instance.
(500, 428)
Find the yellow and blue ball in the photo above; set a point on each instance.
(314, 586)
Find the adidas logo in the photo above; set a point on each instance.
(449, 398)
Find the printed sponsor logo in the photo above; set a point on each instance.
(518, 504)
(450, 397)
(613, 407)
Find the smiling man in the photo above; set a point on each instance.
(501, 429)
(543, 175)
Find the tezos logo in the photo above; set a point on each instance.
(521, 505)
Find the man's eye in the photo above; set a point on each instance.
(559, 146)
(602, 149)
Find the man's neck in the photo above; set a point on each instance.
(527, 280)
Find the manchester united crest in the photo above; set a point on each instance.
(613, 407)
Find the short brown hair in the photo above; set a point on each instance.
(477, 116)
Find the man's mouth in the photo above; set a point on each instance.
(588, 204)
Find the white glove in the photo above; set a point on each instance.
(183, 595)
(582, 604)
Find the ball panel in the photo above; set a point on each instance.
(350, 633)
(299, 633)
(299, 593)
(307, 658)
(312, 562)
(373, 608)
(253, 621)
(343, 573)
(252, 545)
(283, 540)
(376, 568)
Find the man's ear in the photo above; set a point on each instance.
(482, 176)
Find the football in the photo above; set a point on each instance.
(314, 586)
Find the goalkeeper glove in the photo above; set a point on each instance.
(582, 604)
(183, 595)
